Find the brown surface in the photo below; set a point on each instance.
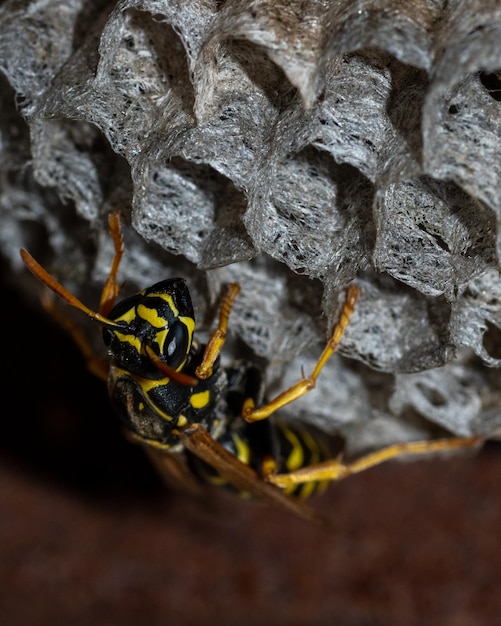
(88, 535)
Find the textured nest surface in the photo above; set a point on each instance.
(294, 147)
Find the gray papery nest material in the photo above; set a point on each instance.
(292, 146)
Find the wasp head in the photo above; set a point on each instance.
(156, 324)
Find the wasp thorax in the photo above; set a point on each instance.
(158, 319)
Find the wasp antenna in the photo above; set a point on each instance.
(39, 272)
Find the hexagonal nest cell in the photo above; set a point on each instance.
(293, 147)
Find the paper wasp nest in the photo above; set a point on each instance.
(292, 146)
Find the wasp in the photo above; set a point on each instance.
(197, 419)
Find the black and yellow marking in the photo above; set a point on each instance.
(179, 402)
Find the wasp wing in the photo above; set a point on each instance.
(198, 441)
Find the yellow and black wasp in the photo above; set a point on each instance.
(197, 419)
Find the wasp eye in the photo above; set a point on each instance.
(175, 348)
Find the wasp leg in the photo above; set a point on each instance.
(98, 366)
(216, 342)
(111, 288)
(337, 470)
(251, 414)
(95, 364)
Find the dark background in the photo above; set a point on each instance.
(88, 535)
